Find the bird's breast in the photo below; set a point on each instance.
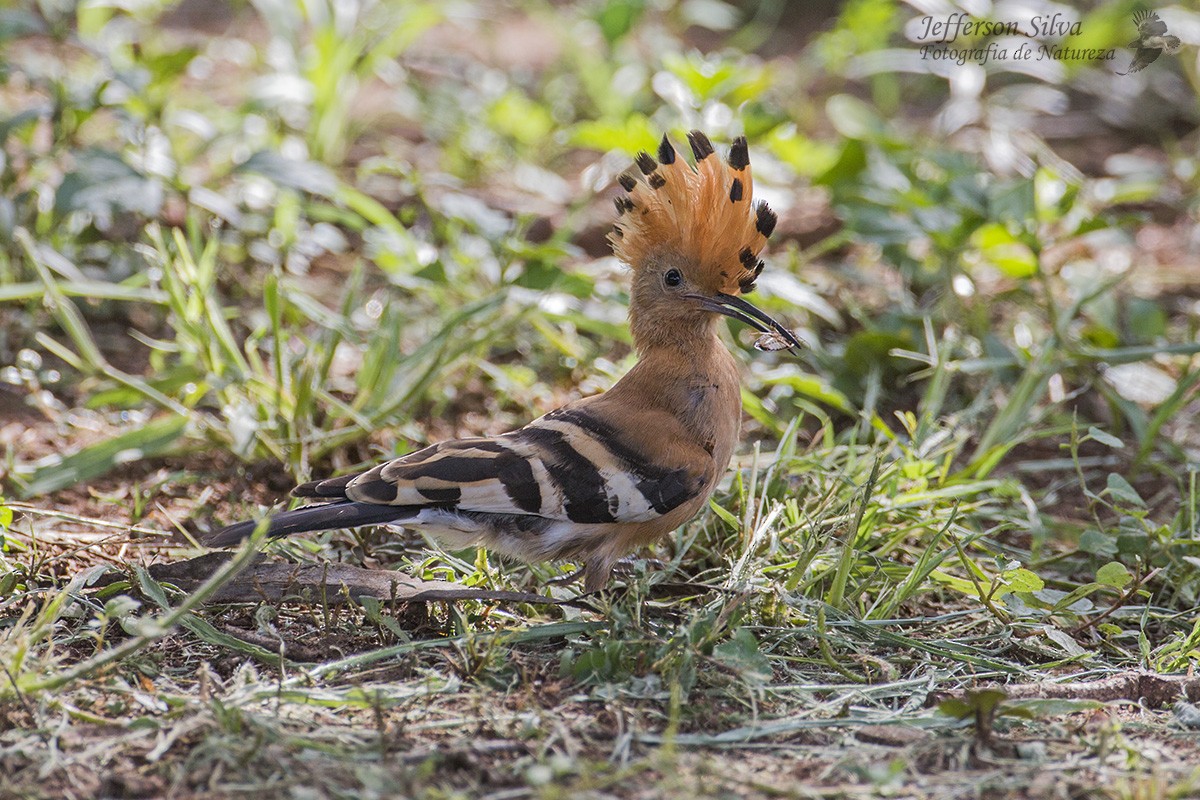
(711, 407)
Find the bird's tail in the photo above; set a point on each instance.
(346, 514)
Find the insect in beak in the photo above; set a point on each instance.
(776, 336)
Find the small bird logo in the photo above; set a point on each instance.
(608, 473)
(1153, 40)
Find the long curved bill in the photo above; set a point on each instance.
(739, 309)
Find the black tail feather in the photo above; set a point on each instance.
(347, 514)
(333, 488)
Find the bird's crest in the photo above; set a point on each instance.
(705, 214)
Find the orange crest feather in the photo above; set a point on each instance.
(706, 214)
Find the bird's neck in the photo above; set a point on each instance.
(698, 353)
(679, 350)
(660, 328)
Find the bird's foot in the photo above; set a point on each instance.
(625, 567)
(570, 577)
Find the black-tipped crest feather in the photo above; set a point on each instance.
(739, 154)
(666, 151)
(735, 191)
(701, 146)
(766, 220)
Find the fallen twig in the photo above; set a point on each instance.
(333, 584)
(1155, 691)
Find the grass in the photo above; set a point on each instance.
(234, 256)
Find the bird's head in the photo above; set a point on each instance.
(692, 236)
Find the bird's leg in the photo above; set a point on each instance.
(596, 574)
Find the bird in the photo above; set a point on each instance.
(603, 475)
(1152, 41)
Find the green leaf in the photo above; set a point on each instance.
(26, 117)
(850, 163)
(873, 348)
(852, 118)
(743, 655)
(953, 707)
(303, 176)
(1012, 200)
(1074, 601)
(1121, 491)
(618, 17)
(1133, 542)
(636, 132)
(1063, 640)
(170, 382)
(1005, 251)
(1103, 437)
(92, 290)
(102, 183)
(1022, 580)
(374, 612)
(540, 275)
(806, 156)
(143, 724)
(1050, 707)
(813, 387)
(520, 118)
(167, 66)
(1145, 319)
(982, 703)
(1114, 574)
(1097, 543)
(1020, 713)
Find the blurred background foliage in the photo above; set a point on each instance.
(310, 233)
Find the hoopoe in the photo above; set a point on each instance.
(605, 474)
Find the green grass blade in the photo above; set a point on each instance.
(91, 462)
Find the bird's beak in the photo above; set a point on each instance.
(739, 309)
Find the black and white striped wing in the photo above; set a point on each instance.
(569, 465)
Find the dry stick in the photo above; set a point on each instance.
(1118, 603)
(158, 628)
(284, 648)
(276, 582)
(1155, 690)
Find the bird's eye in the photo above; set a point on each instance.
(673, 277)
